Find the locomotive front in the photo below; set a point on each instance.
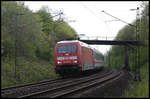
(66, 57)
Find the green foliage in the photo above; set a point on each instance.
(117, 54)
(140, 89)
(53, 31)
(21, 30)
(32, 36)
(30, 70)
(46, 18)
(64, 31)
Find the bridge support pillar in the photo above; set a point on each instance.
(126, 61)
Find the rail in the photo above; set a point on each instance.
(61, 87)
(36, 87)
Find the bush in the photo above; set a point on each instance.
(140, 89)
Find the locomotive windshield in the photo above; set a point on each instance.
(67, 49)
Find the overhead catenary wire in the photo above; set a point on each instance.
(117, 18)
(108, 29)
(106, 25)
(90, 10)
(94, 15)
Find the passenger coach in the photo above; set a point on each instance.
(76, 56)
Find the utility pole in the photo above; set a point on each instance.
(126, 59)
(109, 58)
(54, 38)
(59, 20)
(137, 50)
(16, 40)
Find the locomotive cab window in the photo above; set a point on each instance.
(67, 49)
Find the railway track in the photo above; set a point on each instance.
(13, 87)
(60, 87)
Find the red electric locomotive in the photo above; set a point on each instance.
(76, 56)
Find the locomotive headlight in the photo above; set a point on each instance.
(74, 61)
(59, 62)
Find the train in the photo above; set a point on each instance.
(74, 56)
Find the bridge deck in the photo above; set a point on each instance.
(111, 42)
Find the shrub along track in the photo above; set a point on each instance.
(71, 87)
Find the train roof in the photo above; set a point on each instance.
(95, 50)
(69, 41)
(82, 44)
(75, 41)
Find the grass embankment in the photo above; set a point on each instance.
(29, 71)
(140, 89)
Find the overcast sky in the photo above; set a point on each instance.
(89, 19)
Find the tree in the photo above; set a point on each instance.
(129, 33)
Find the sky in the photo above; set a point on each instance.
(89, 18)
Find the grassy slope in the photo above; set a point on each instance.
(140, 89)
(29, 70)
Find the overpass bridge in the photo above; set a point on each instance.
(110, 41)
(101, 40)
